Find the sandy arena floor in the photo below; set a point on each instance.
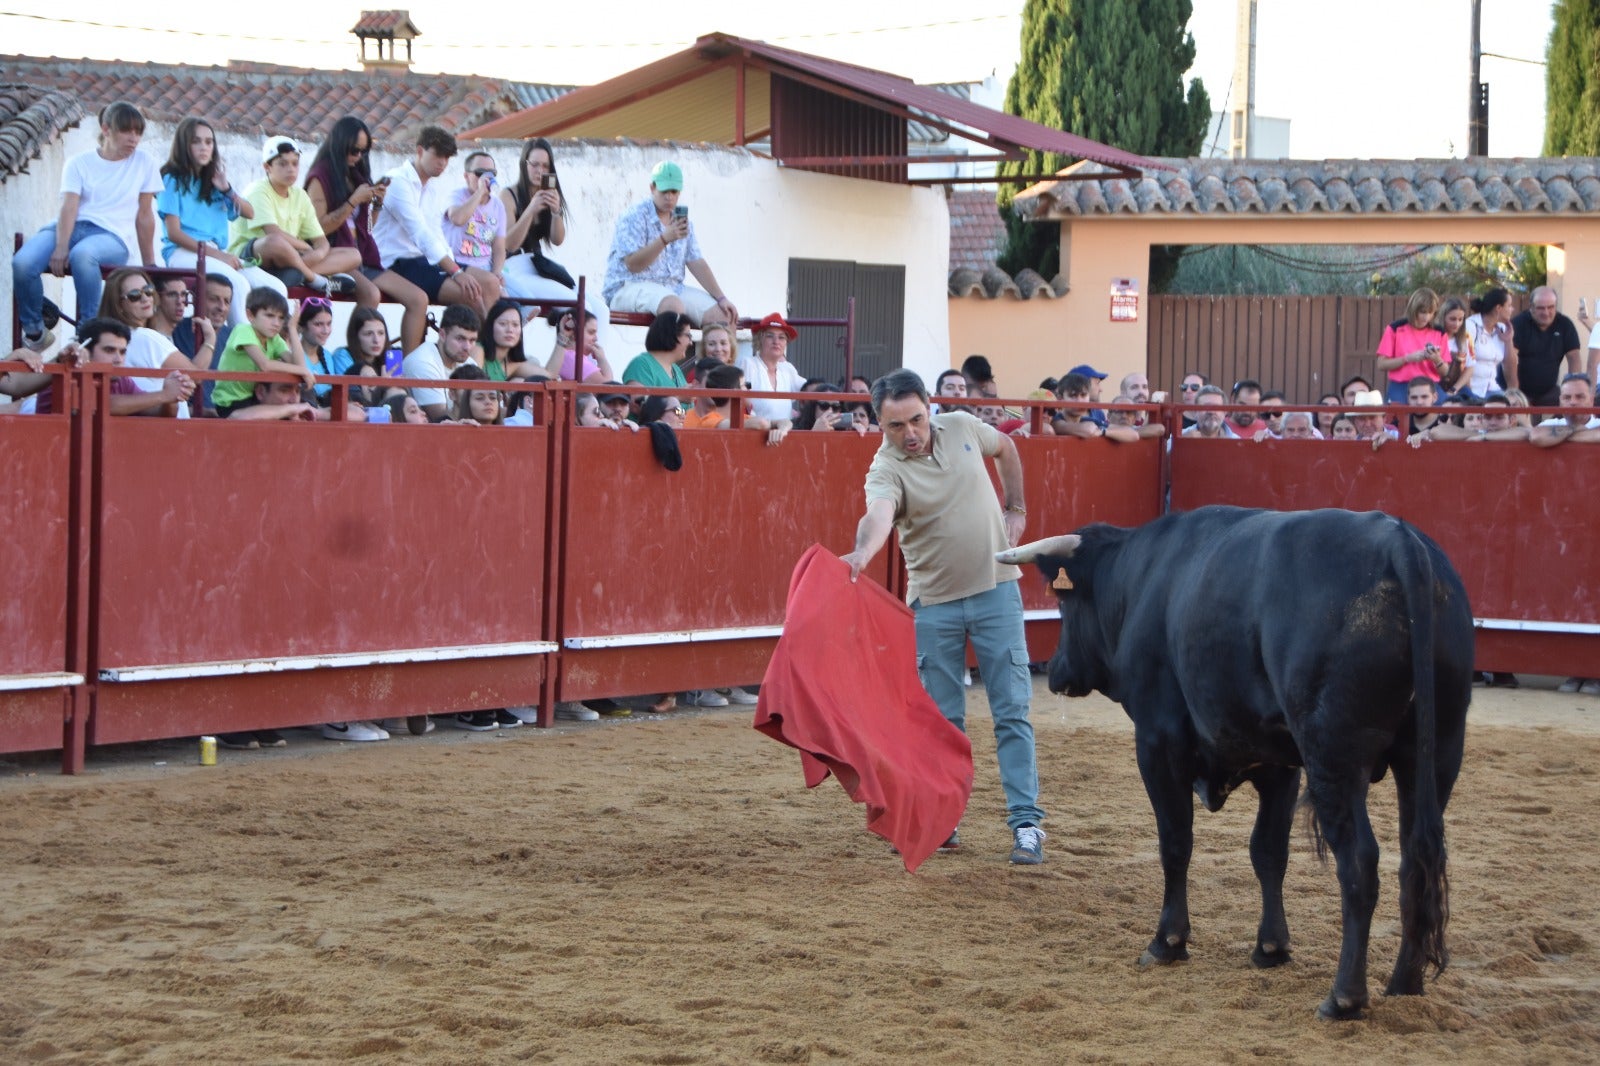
(666, 891)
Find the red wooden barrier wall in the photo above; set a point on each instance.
(1517, 522)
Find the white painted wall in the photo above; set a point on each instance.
(751, 217)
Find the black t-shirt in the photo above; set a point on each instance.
(1541, 354)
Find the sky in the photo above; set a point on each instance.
(1346, 74)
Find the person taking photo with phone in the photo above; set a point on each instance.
(654, 245)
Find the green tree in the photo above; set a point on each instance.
(1572, 79)
(1109, 70)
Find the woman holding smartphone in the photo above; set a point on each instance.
(538, 220)
(1412, 347)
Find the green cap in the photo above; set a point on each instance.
(667, 177)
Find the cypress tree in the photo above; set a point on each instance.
(1572, 79)
(1109, 70)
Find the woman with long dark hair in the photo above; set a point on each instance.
(195, 205)
(347, 200)
(1489, 326)
(537, 214)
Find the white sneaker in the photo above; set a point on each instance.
(740, 696)
(377, 727)
(966, 678)
(525, 715)
(39, 343)
(1590, 687)
(707, 698)
(576, 712)
(355, 731)
(391, 725)
(1571, 684)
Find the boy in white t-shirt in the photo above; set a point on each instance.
(107, 217)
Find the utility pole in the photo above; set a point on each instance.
(1242, 142)
(1478, 98)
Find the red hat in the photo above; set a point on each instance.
(775, 321)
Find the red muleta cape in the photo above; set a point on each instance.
(842, 688)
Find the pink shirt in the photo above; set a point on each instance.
(1399, 343)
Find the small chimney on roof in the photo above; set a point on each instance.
(381, 26)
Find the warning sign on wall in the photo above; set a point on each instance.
(1124, 299)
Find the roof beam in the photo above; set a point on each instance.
(654, 89)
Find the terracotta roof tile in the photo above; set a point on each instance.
(992, 283)
(977, 233)
(298, 102)
(1313, 186)
(385, 24)
(30, 118)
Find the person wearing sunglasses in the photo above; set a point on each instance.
(475, 220)
(347, 201)
(410, 231)
(197, 205)
(130, 298)
(1189, 392)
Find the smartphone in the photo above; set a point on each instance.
(680, 211)
(547, 181)
(384, 181)
(394, 362)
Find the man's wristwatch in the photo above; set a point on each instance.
(1012, 508)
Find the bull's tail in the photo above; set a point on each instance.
(1425, 884)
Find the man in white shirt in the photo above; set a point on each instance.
(436, 360)
(409, 230)
(1576, 391)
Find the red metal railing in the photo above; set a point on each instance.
(208, 576)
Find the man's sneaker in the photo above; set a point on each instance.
(524, 715)
(49, 313)
(706, 698)
(741, 697)
(505, 719)
(238, 741)
(418, 724)
(1028, 849)
(475, 721)
(1571, 684)
(319, 283)
(953, 843)
(271, 738)
(575, 712)
(377, 727)
(39, 343)
(359, 732)
(1590, 687)
(343, 284)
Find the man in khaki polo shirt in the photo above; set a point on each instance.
(929, 483)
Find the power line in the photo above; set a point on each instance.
(439, 46)
(1515, 59)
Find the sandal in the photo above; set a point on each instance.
(665, 705)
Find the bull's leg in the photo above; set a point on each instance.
(1164, 767)
(1407, 977)
(1341, 807)
(1276, 789)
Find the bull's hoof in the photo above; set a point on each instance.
(1163, 954)
(1334, 1009)
(1267, 956)
(1410, 985)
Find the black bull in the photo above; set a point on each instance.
(1245, 645)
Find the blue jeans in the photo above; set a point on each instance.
(91, 248)
(993, 622)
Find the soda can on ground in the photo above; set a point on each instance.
(208, 751)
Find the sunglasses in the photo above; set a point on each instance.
(674, 410)
(1189, 388)
(146, 293)
(480, 173)
(827, 405)
(317, 303)
(359, 151)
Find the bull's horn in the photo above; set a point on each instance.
(1026, 553)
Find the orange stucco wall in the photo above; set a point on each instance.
(1046, 337)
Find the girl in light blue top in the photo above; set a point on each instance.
(195, 205)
